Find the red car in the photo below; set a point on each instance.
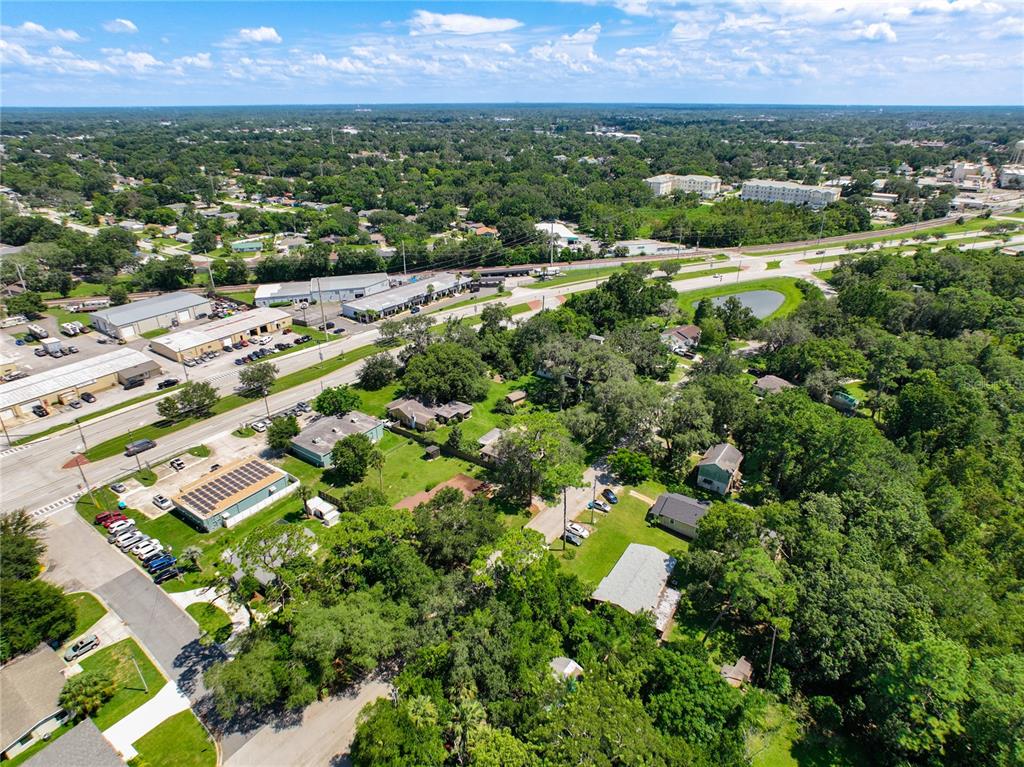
(111, 520)
(103, 516)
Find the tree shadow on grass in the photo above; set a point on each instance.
(192, 661)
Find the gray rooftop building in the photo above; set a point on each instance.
(679, 513)
(164, 311)
(315, 443)
(83, 745)
(639, 584)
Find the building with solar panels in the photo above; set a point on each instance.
(234, 492)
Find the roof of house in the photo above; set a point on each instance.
(83, 745)
(31, 687)
(681, 508)
(565, 668)
(419, 411)
(319, 437)
(454, 408)
(318, 504)
(770, 383)
(689, 332)
(137, 311)
(221, 489)
(75, 374)
(737, 673)
(638, 579)
(723, 455)
(492, 436)
(517, 395)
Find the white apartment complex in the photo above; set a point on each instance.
(1011, 177)
(788, 192)
(667, 183)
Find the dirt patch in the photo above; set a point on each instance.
(642, 497)
(466, 484)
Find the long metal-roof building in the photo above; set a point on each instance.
(164, 311)
(401, 298)
(336, 289)
(66, 383)
(193, 342)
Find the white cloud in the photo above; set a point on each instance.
(687, 32)
(877, 32)
(575, 52)
(427, 23)
(259, 35)
(505, 48)
(139, 62)
(198, 61)
(121, 27)
(31, 31)
(56, 60)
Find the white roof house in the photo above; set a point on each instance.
(639, 583)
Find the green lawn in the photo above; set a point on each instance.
(214, 622)
(625, 524)
(225, 404)
(245, 296)
(782, 742)
(179, 740)
(476, 300)
(787, 286)
(156, 332)
(88, 611)
(130, 691)
(62, 315)
(576, 275)
(146, 477)
(774, 264)
(407, 472)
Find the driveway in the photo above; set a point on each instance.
(320, 739)
(548, 521)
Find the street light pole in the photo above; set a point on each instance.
(6, 435)
(85, 481)
(81, 434)
(565, 516)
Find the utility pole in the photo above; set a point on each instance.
(565, 515)
(81, 434)
(6, 435)
(85, 481)
(209, 269)
(319, 340)
(551, 243)
(593, 499)
(404, 272)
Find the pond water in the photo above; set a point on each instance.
(760, 302)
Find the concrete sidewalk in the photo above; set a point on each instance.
(168, 702)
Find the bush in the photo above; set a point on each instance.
(825, 713)
(631, 467)
(377, 372)
(84, 694)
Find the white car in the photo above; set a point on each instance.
(577, 529)
(259, 426)
(121, 526)
(136, 548)
(151, 547)
(162, 502)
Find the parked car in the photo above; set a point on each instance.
(610, 496)
(215, 467)
(599, 505)
(73, 349)
(40, 411)
(161, 563)
(259, 426)
(338, 331)
(121, 535)
(81, 647)
(130, 540)
(139, 546)
(177, 464)
(416, 310)
(154, 556)
(151, 547)
(162, 502)
(75, 404)
(236, 345)
(88, 397)
(239, 361)
(118, 487)
(40, 352)
(113, 519)
(165, 575)
(189, 363)
(167, 383)
(281, 347)
(577, 529)
(103, 516)
(572, 538)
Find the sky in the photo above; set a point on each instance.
(940, 52)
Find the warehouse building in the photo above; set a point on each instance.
(315, 443)
(215, 335)
(67, 383)
(164, 311)
(232, 493)
(333, 289)
(403, 297)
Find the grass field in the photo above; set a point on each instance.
(62, 315)
(406, 472)
(213, 622)
(245, 296)
(156, 332)
(225, 404)
(88, 611)
(179, 740)
(783, 743)
(625, 524)
(130, 691)
(575, 275)
(476, 300)
(787, 286)
(773, 265)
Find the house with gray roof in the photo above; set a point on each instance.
(639, 584)
(770, 384)
(82, 745)
(679, 513)
(719, 469)
(416, 414)
(30, 688)
(315, 443)
(164, 311)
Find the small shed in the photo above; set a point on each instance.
(565, 668)
(432, 452)
(517, 397)
(738, 673)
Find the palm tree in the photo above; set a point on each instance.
(376, 461)
(191, 555)
(305, 493)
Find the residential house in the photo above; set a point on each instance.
(843, 402)
(738, 673)
(488, 444)
(565, 669)
(639, 584)
(416, 414)
(517, 397)
(31, 688)
(83, 745)
(770, 384)
(485, 231)
(681, 339)
(679, 513)
(315, 443)
(719, 469)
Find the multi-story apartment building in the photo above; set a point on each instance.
(789, 192)
(667, 183)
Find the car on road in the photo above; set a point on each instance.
(215, 467)
(610, 496)
(118, 487)
(73, 349)
(81, 647)
(577, 529)
(259, 426)
(599, 505)
(88, 397)
(138, 446)
(166, 575)
(162, 502)
(572, 538)
(338, 331)
(167, 383)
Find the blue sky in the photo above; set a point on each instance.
(741, 51)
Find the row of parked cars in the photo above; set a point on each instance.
(149, 551)
(575, 533)
(295, 410)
